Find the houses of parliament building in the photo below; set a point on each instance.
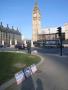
(39, 33)
(9, 37)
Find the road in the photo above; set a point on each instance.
(41, 50)
(52, 74)
(52, 50)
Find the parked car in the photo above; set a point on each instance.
(20, 46)
(1, 45)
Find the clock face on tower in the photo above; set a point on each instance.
(35, 15)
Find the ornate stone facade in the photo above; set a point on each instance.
(66, 31)
(49, 33)
(9, 36)
(36, 22)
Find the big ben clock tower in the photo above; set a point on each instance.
(36, 23)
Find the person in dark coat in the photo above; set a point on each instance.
(29, 47)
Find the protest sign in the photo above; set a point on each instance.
(19, 77)
(33, 68)
(27, 72)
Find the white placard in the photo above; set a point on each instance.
(19, 77)
(33, 68)
(27, 72)
(34, 52)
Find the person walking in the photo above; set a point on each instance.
(29, 47)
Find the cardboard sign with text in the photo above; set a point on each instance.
(19, 77)
(33, 68)
(27, 72)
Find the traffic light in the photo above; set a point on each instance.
(59, 31)
(60, 38)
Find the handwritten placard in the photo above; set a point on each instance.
(27, 72)
(19, 77)
(33, 68)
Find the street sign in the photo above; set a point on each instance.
(19, 77)
(33, 68)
